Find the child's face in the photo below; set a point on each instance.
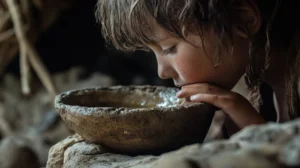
(186, 64)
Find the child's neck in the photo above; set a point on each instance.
(275, 77)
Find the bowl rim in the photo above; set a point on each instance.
(58, 102)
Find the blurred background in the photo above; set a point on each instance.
(48, 47)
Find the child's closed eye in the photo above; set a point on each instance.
(170, 50)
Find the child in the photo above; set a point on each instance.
(206, 46)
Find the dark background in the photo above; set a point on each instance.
(75, 40)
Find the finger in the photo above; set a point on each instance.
(230, 102)
(204, 88)
(215, 100)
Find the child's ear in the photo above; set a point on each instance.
(246, 18)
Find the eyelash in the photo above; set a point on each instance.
(170, 50)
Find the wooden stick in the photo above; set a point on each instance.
(32, 54)
(20, 33)
(25, 71)
(6, 35)
(40, 69)
(9, 35)
(24, 65)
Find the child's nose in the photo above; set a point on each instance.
(165, 71)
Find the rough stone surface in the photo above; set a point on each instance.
(82, 154)
(290, 154)
(269, 133)
(56, 159)
(266, 146)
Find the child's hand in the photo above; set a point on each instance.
(238, 108)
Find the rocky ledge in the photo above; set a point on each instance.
(266, 146)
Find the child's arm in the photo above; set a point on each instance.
(238, 108)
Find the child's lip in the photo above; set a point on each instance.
(179, 85)
(182, 85)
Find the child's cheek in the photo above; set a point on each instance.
(181, 62)
(184, 67)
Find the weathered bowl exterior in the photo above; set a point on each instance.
(134, 130)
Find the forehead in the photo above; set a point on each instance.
(158, 33)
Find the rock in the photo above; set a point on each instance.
(56, 153)
(238, 159)
(83, 154)
(175, 162)
(265, 146)
(220, 155)
(15, 153)
(290, 154)
(269, 133)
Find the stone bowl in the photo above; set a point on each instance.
(134, 119)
